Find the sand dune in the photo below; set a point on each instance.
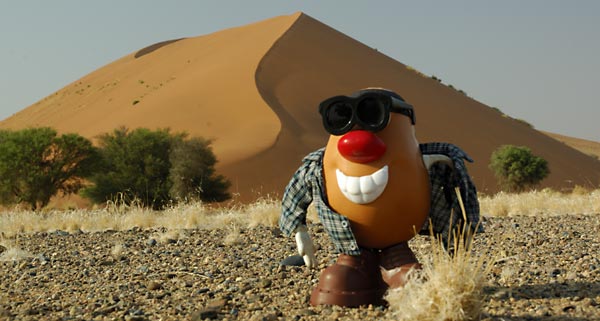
(255, 89)
(585, 146)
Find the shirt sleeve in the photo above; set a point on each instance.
(445, 212)
(296, 199)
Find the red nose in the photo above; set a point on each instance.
(361, 146)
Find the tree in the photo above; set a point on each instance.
(36, 164)
(143, 165)
(193, 172)
(517, 169)
(135, 165)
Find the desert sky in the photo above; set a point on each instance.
(534, 60)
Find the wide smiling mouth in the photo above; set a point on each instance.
(363, 189)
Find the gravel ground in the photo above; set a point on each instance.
(549, 270)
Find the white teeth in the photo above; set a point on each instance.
(363, 189)
(353, 185)
(380, 177)
(341, 179)
(367, 184)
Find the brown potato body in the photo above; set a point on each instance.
(404, 205)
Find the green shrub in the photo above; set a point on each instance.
(36, 164)
(517, 169)
(524, 122)
(134, 165)
(193, 172)
(142, 165)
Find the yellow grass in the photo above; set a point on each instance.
(121, 217)
(449, 287)
(541, 203)
(194, 215)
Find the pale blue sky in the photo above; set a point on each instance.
(536, 60)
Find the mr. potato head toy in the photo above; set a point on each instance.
(373, 187)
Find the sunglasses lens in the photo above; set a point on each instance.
(371, 111)
(338, 115)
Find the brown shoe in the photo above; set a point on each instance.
(396, 262)
(351, 282)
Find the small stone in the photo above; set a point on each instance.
(211, 311)
(275, 232)
(265, 283)
(263, 317)
(305, 312)
(4, 313)
(217, 304)
(204, 314)
(151, 242)
(154, 285)
(202, 290)
(107, 262)
(294, 260)
(61, 233)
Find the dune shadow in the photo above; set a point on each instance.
(156, 46)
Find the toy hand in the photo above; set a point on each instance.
(306, 248)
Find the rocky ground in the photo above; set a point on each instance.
(549, 269)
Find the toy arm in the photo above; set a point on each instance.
(431, 159)
(306, 248)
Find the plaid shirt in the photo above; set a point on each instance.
(307, 186)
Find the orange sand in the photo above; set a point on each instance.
(254, 90)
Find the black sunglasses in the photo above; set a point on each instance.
(370, 111)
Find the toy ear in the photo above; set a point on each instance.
(431, 159)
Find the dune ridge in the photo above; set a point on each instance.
(586, 146)
(254, 90)
(312, 61)
(202, 85)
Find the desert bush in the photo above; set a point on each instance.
(497, 109)
(134, 164)
(155, 168)
(524, 122)
(36, 164)
(517, 169)
(193, 174)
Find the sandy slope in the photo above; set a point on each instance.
(254, 90)
(202, 85)
(588, 147)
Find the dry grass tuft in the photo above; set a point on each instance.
(10, 251)
(543, 203)
(119, 216)
(449, 287)
(234, 236)
(264, 211)
(171, 236)
(117, 251)
(15, 254)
